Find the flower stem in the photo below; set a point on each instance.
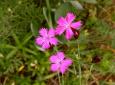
(55, 49)
(79, 66)
(48, 14)
(62, 79)
(80, 74)
(75, 70)
(59, 78)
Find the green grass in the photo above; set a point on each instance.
(93, 53)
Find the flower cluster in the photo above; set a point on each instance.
(47, 38)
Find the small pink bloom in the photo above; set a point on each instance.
(66, 25)
(46, 38)
(59, 62)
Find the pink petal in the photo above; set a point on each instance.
(60, 30)
(61, 56)
(65, 64)
(76, 25)
(57, 58)
(69, 33)
(39, 40)
(46, 45)
(70, 17)
(61, 21)
(54, 67)
(43, 32)
(63, 69)
(53, 41)
(51, 32)
(53, 59)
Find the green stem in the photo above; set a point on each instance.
(47, 17)
(62, 79)
(48, 5)
(59, 78)
(44, 13)
(49, 21)
(55, 48)
(79, 73)
(74, 69)
(79, 67)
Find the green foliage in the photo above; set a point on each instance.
(17, 15)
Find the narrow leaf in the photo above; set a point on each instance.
(27, 38)
(11, 54)
(34, 28)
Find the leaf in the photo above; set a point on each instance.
(39, 48)
(27, 38)
(50, 76)
(90, 1)
(30, 51)
(45, 14)
(16, 39)
(34, 27)
(62, 10)
(77, 5)
(7, 46)
(11, 54)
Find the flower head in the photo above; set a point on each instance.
(59, 62)
(66, 24)
(46, 38)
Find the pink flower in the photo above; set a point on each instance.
(59, 62)
(67, 25)
(46, 38)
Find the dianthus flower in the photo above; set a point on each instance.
(59, 62)
(46, 38)
(66, 24)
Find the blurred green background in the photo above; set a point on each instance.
(93, 53)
